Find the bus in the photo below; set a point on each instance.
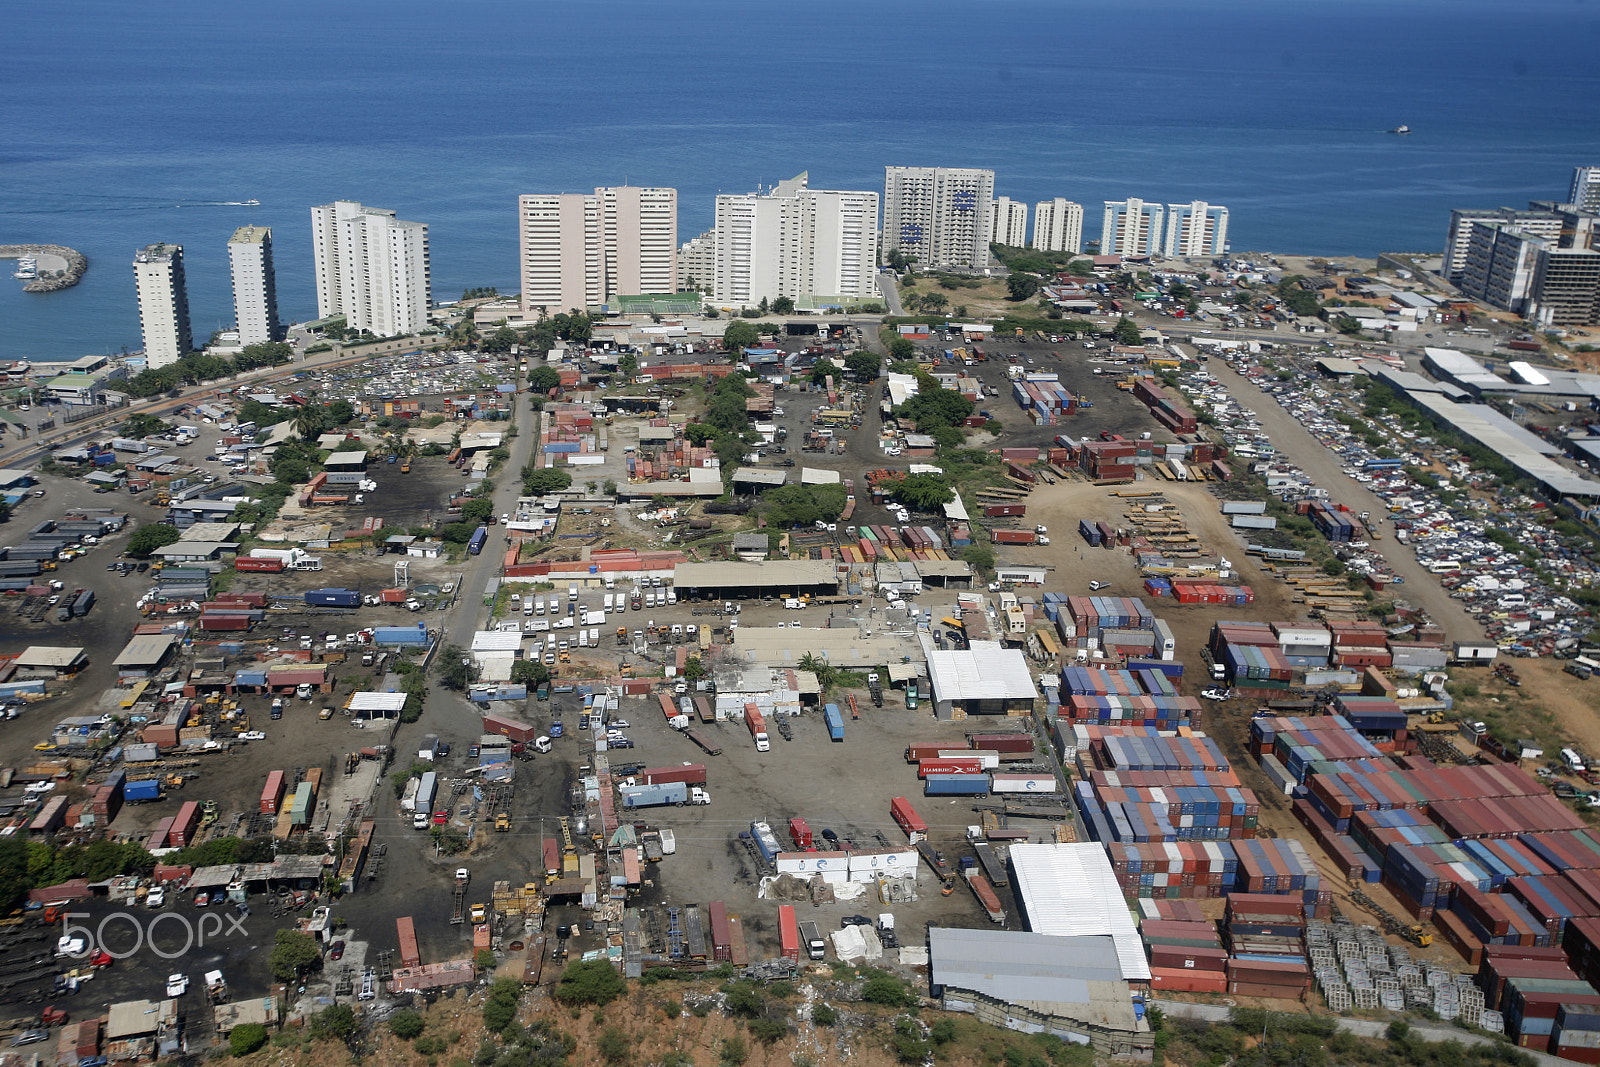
(480, 537)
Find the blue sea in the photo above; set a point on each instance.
(125, 123)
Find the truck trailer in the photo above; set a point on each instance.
(651, 796)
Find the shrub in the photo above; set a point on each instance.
(614, 1046)
(406, 1024)
(590, 982)
(246, 1038)
(735, 1051)
(823, 1015)
(767, 1031)
(888, 991)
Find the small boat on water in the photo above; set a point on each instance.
(1401, 129)
(27, 268)
(257, 203)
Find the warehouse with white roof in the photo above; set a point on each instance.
(986, 679)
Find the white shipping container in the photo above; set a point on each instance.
(1277, 773)
(987, 759)
(1022, 783)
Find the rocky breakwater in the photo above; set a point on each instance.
(59, 267)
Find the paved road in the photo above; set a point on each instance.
(891, 295)
(1297, 444)
(1218, 1013)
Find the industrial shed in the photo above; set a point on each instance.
(740, 581)
(1068, 890)
(51, 658)
(985, 679)
(145, 655)
(1069, 987)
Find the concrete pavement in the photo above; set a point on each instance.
(891, 294)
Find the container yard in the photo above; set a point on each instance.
(1167, 729)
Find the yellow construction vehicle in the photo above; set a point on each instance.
(480, 913)
(502, 822)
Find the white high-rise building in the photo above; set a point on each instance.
(1196, 229)
(579, 250)
(938, 215)
(1540, 219)
(1058, 225)
(255, 289)
(163, 304)
(1130, 228)
(1008, 222)
(1585, 192)
(371, 268)
(697, 262)
(816, 246)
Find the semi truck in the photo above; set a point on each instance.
(766, 842)
(709, 747)
(811, 938)
(756, 723)
(652, 796)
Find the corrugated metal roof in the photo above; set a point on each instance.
(986, 671)
(1075, 977)
(1069, 890)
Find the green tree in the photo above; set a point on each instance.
(936, 407)
(142, 425)
(628, 364)
(146, 539)
(543, 378)
(981, 557)
(454, 672)
(590, 982)
(500, 341)
(246, 1038)
(1127, 332)
(901, 348)
(924, 492)
(824, 1015)
(1021, 286)
(310, 421)
(528, 673)
(783, 306)
(734, 1051)
(537, 481)
(293, 954)
(614, 1046)
(477, 511)
(699, 433)
(767, 1031)
(889, 991)
(406, 1024)
(341, 412)
(864, 365)
(823, 369)
(339, 1021)
(739, 335)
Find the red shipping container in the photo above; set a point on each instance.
(688, 774)
(270, 565)
(272, 795)
(906, 817)
(949, 766)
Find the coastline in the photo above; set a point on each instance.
(76, 264)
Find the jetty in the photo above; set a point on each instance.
(58, 266)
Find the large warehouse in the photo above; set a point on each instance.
(1069, 987)
(742, 581)
(986, 679)
(1067, 890)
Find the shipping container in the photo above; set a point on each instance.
(272, 795)
(835, 722)
(688, 774)
(409, 956)
(956, 785)
(254, 563)
(906, 817)
(788, 933)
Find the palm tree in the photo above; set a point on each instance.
(308, 421)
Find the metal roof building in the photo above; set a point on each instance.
(1487, 429)
(985, 679)
(144, 655)
(1068, 890)
(1070, 987)
(719, 581)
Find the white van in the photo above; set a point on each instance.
(538, 605)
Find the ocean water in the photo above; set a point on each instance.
(126, 124)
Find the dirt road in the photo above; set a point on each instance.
(1297, 444)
